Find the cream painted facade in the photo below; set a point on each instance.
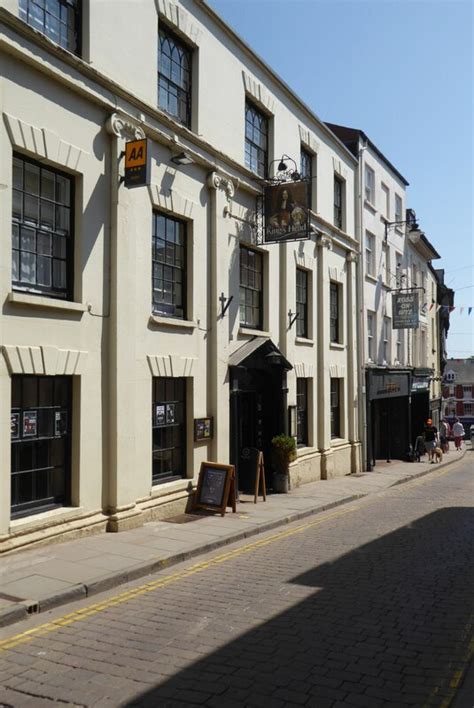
(402, 366)
(74, 115)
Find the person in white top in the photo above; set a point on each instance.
(458, 432)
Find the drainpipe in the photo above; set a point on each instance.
(361, 319)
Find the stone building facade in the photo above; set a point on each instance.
(113, 332)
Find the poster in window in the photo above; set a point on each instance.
(286, 211)
(15, 425)
(60, 422)
(160, 414)
(30, 424)
(170, 413)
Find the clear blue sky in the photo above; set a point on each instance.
(402, 71)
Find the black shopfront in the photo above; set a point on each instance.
(388, 415)
(258, 405)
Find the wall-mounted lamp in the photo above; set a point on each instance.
(414, 232)
(273, 358)
(292, 317)
(225, 302)
(182, 158)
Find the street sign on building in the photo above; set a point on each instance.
(405, 310)
(137, 163)
(286, 209)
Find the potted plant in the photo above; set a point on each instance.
(283, 452)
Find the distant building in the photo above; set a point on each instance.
(401, 364)
(458, 391)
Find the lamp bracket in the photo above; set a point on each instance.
(292, 318)
(225, 303)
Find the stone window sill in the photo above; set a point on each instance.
(253, 332)
(371, 278)
(172, 322)
(370, 206)
(160, 490)
(305, 341)
(46, 518)
(47, 303)
(337, 345)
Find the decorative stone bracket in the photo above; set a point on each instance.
(124, 128)
(324, 241)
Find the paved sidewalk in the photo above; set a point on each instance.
(39, 579)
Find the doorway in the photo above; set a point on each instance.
(258, 408)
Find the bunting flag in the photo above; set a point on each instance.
(460, 308)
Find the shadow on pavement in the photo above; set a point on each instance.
(386, 625)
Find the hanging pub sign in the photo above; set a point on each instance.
(405, 310)
(286, 211)
(137, 163)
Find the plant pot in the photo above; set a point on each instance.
(280, 483)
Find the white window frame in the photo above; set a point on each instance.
(370, 253)
(386, 340)
(398, 208)
(371, 324)
(386, 264)
(386, 204)
(398, 345)
(369, 184)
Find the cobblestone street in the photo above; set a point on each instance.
(366, 605)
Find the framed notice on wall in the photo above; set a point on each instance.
(203, 429)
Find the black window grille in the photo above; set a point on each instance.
(302, 411)
(174, 77)
(334, 312)
(59, 20)
(169, 429)
(40, 443)
(251, 288)
(306, 171)
(42, 230)
(256, 138)
(169, 266)
(335, 408)
(302, 302)
(338, 202)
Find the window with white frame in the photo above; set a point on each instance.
(398, 208)
(468, 409)
(369, 184)
(399, 269)
(386, 264)
(398, 344)
(467, 391)
(371, 336)
(386, 201)
(369, 254)
(386, 339)
(423, 347)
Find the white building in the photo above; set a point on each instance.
(114, 342)
(401, 364)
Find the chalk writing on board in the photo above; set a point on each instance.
(213, 485)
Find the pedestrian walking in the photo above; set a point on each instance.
(458, 432)
(444, 435)
(420, 449)
(430, 434)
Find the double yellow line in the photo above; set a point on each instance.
(44, 629)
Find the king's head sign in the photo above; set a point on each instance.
(137, 163)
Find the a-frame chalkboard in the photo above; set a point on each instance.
(215, 488)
